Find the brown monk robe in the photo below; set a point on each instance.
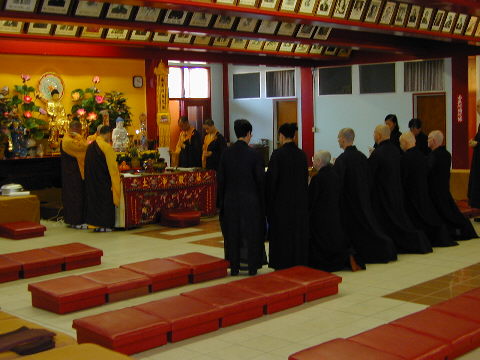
(72, 149)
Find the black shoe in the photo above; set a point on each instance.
(252, 272)
(234, 272)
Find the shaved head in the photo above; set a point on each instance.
(435, 139)
(407, 141)
(346, 136)
(381, 133)
(321, 158)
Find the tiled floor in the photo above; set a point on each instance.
(366, 299)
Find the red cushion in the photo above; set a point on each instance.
(463, 335)
(341, 349)
(118, 279)
(21, 230)
(159, 269)
(9, 265)
(68, 288)
(200, 263)
(75, 251)
(182, 215)
(461, 306)
(32, 259)
(181, 311)
(308, 277)
(403, 343)
(229, 298)
(474, 294)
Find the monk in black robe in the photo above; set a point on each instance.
(421, 139)
(328, 244)
(418, 204)
(213, 146)
(439, 162)
(367, 239)
(189, 146)
(387, 196)
(287, 202)
(102, 182)
(72, 152)
(241, 200)
(474, 179)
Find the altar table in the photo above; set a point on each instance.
(19, 208)
(143, 198)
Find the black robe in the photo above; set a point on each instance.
(421, 143)
(241, 200)
(367, 239)
(387, 200)
(395, 139)
(217, 147)
(287, 207)
(439, 162)
(191, 154)
(328, 244)
(73, 190)
(100, 209)
(474, 179)
(418, 203)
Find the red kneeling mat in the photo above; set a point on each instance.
(77, 255)
(36, 262)
(9, 269)
(21, 230)
(180, 218)
(203, 267)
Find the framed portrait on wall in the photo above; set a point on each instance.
(306, 31)
(9, 26)
(92, 32)
(322, 33)
(449, 21)
(21, 5)
(358, 9)
(175, 17)
(162, 36)
(325, 7)
(344, 52)
(269, 4)
(116, 34)
(341, 9)
(426, 18)
(286, 29)
(221, 41)
(89, 8)
(414, 16)
(224, 22)
(226, 2)
(200, 19)
(247, 24)
(307, 6)
(39, 28)
(55, 6)
(119, 11)
(471, 26)
(401, 15)
(140, 35)
(202, 40)
(330, 51)
(66, 30)
(271, 46)
(286, 47)
(238, 44)
(316, 49)
(460, 24)
(267, 27)
(184, 38)
(247, 3)
(438, 20)
(147, 14)
(373, 11)
(387, 13)
(255, 45)
(289, 5)
(302, 49)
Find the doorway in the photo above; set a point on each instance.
(285, 111)
(432, 110)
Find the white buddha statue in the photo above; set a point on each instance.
(119, 136)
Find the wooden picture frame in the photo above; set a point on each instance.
(66, 30)
(116, 34)
(182, 38)
(10, 26)
(202, 40)
(221, 41)
(247, 24)
(330, 51)
(238, 44)
(200, 19)
(373, 12)
(471, 26)
(226, 2)
(93, 32)
(56, 6)
(271, 46)
(340, 11)
(119, 11)
(316, 49)
(287, 29)
(307, 7)
(302, 49)
(175, 17)
(21, 5)
(414, 16)
(286, 47)
(224, 22)
(289, 5)
(162, 36)
(322, 33)
(388, 12)
(147, 14)
(438, 20)
(140, 35)
(401, 15)
(344, 52)
(358, 9)
(247, 3)
(267, 27)
(460, 24)
(89, 8)
(449, 22)
(325, 7)
(306, 31)
(269, 4)
(39, 28)
(255, 45)
(426, 19)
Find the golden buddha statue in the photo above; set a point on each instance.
(58, 120)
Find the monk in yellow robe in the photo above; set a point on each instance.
(189, 146)
(213, 146)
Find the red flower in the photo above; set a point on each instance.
(99, 99)
(5, 114)
(27, 99)
(96, 79)
(92, 116)
(81, 112)
(25, 77)
(27, 114)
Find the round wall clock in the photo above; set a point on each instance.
(49, 82)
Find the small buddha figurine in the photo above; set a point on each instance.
(143, 132)
(119, 136)
(58, 119)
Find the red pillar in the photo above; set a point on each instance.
(226, 103)
(472, 101)
(460, 112)
(307, 98)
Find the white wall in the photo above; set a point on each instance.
(216, 93)
(259, 111)
(362, 112)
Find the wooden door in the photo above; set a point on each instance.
(286, 112)
(432, 110)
